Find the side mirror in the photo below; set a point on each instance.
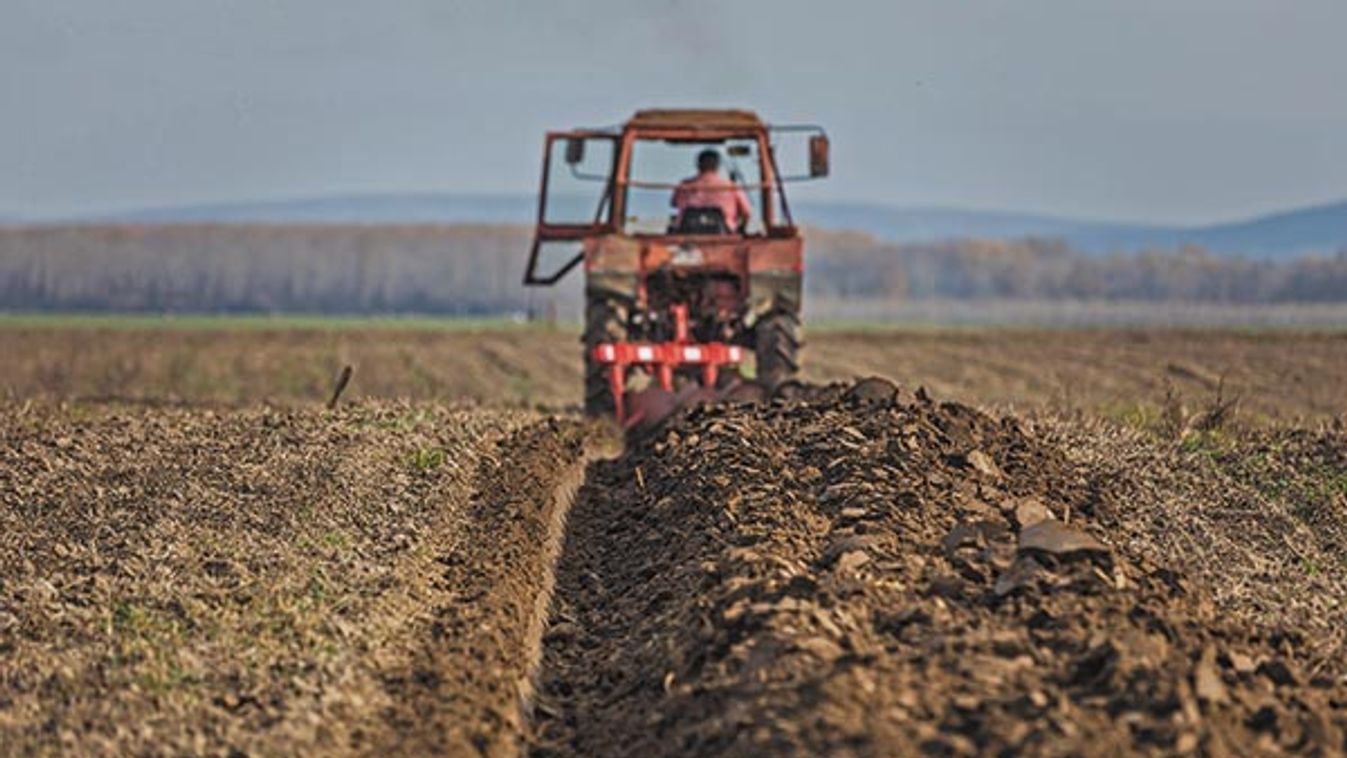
(818, 156)
(575, 151)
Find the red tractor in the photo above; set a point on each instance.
(682, 278)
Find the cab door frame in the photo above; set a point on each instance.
(561, 232)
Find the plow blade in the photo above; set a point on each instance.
(646, 409)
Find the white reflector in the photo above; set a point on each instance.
(645, 354)
(692, 354)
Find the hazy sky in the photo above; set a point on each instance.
(1164, 110)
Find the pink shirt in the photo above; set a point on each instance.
(711, 190)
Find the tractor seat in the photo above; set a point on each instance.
(700, 221)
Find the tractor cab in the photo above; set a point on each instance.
(675, 252)
(621, 180)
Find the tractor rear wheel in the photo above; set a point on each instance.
(605, 321)
(777, 341)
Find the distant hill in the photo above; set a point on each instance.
(1320, 228)
(1279, 236)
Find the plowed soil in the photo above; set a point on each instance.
(275, 582)
(856, 570)
(864, 573)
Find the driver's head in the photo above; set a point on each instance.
(708, 161)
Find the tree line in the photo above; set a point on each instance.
(857, 265)
(468, 270)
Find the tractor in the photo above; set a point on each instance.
(677, 294)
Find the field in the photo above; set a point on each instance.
(1282, 376)
(1042, 542)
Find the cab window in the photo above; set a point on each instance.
(658, 166)
(578, 171)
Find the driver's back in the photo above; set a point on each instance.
(711, 190)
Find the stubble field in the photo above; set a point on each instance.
(1280, 376)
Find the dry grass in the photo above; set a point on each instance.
(238, 367)
(1128, 375)
(1131, 376)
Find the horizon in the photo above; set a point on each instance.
(132, 213)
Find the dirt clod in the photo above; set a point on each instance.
(1054, 537)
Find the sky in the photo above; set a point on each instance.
(1173, 111)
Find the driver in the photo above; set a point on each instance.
(708, 189)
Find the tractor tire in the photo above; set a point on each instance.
(605, 321)
(777, 341)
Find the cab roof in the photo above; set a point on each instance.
(695, 118)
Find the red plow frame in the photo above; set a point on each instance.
(661, 360)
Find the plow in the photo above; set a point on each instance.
(692, 285)
(662, 361)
